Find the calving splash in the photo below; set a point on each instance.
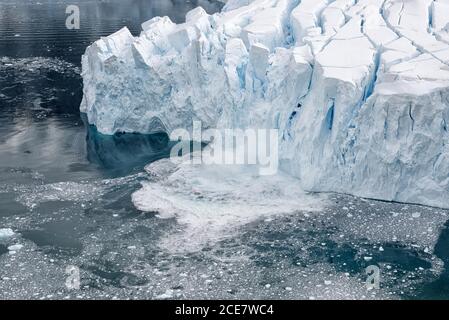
(211, 202)
(357, 89)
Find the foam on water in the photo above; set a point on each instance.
(210, 202)
(6, 233)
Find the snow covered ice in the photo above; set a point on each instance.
(358, 89)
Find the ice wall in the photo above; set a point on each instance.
(358, 89)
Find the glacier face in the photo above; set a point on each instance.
(358, 89)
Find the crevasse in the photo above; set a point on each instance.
(358, 89)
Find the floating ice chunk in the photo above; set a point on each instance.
(166, 295)
(416, 214)
(15, 247)
(6, 233)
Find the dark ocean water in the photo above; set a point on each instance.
(65, 191)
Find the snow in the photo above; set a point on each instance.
(397, 51)
(358, 89)
(305, 17)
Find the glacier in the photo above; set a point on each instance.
(359, 90)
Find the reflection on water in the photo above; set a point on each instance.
(41, 88)
(37, 28)
(41, 128)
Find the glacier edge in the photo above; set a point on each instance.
(358, 89)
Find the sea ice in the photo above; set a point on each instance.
(6, 233)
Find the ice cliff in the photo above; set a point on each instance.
(358, 89)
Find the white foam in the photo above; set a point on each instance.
(210, 202)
